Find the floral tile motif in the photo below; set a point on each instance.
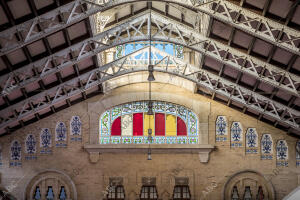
(116, 112)
(138, 140)
(182, 140)
(159, 106)
(251, 141)
(159, 140)
(104, 140)
(171, 140)
(182, 112)
(192, 124)
(282, 153)
(236, 134)
(266, 147)
(105, 123)
(60, 132)
(45, 138)
(193, 140)
(116, 140)
(75, 125)
(138, 106)
(126, 108)
(15, 154)
(171, 108)
(126, 140)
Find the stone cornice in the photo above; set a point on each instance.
(202, 149)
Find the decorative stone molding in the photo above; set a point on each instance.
(94, 157)
(251, 179)
(96, 149)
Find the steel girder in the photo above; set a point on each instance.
(165, 30)
(162, 62)
(222, 10)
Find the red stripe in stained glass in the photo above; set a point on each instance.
(160, 124)
(181, 127)
(116, 127)
(138, 124)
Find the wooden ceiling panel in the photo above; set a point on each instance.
(296, 17)
(261, 47)
(220, 29)
(3, 18)
(257, 3)
(41, 4)
(77, 30)
(19, 8)
(16, 56)
(56, 39)
(282, 56)
(280, 9)
(242, 39)
(36, 48)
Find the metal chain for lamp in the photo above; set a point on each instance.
(150, 105)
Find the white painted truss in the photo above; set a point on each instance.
(165, 29)
(162, 62)
(222, 10)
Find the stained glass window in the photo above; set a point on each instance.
(129, 123)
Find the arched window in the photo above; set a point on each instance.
(236, 134)
(221, 129)
(251, 141)
(266, 147)
(30, 147)
(46, 141)
(75, 128)
(282, 153)
(61, 134)
(129, 123)
(15, 153)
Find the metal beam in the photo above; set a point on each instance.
(162, 62)
(226, 16)
(166, 30)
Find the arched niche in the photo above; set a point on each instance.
(53, 179)
(256, 181)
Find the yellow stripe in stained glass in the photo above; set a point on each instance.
(148, 120)
(170, 125)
